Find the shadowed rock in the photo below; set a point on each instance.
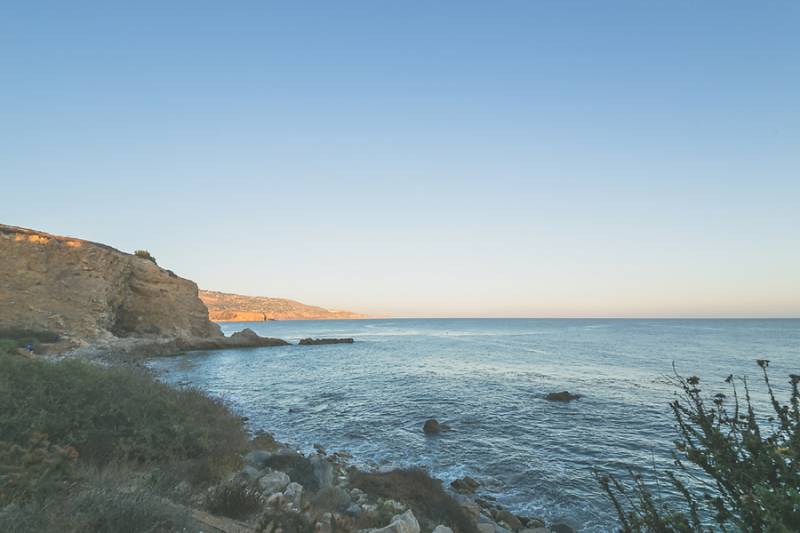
(563, 396)
(309, 341)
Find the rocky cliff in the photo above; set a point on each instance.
(85, 291)
(224, 307)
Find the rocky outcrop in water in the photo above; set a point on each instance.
(310, 342)
(563, 396)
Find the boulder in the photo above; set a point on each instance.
(332, 499)
(472, 510)
(561, 527)
(402, 523)
(431, 426)
(294, 493)
(512, 521)
(323, 471)
(250, 472)
(442, 529)
(563, 396)
(274, 482)
(257, 458)
(465, 485)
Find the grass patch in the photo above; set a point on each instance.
(424, 494)
(115, 414)
(90, 449)
(96, 506)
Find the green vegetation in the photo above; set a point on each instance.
(144, 254)
(736, 470)
(117, 439)
(13, 338)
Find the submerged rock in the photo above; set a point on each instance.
(309, 341)
(432, 426)
(465, 485)
(563, 396)
(561, 527)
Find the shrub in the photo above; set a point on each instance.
(425, 495)
(144, 254)
(112, 414)
(7, 347)
(235, 499)
(34, 471)
(749, 467)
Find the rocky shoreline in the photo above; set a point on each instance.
(324, 493)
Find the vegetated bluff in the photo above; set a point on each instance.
(224, 307)
(84, 291)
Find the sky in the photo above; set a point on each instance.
(510, 158)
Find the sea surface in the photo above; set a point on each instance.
(487, 378)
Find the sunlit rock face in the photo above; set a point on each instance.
(225, 307)
(84, 290)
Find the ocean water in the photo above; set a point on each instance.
(486, 378)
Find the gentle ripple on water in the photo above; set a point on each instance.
(487, 378)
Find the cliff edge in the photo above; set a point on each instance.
(86, 291)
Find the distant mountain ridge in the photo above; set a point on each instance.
(226, 307)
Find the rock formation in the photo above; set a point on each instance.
(84, 290)
(224, 307)
(310, 342)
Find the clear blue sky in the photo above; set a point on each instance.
(511, 158)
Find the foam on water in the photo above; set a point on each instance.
(487, 379)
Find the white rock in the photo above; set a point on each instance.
(294, 493)
(402, 523)
(442, 529)
(274, 482)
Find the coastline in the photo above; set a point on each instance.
(275, 465)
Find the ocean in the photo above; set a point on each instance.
(486, 379)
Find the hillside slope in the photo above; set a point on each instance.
(224, 307)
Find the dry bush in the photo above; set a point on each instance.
(234, 499)
(425, 495)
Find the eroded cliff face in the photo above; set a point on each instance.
(84, 290)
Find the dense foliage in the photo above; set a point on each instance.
(735, 470)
